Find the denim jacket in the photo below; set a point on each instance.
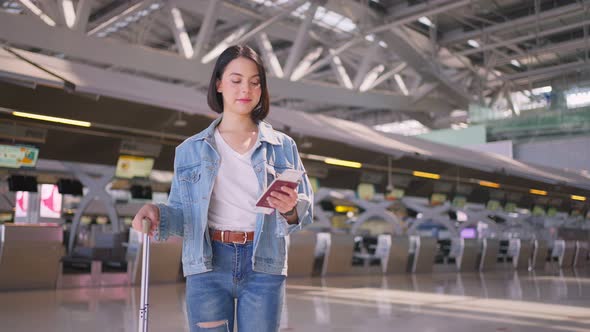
(185, 214)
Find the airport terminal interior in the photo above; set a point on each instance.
(447, 143)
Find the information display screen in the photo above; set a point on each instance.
(134, 167)
(395, 193)
(366, 191)
(16, 156)
(459, 201)
(510, 207)
(437, 199)
(50, 204)
(493, 205)
(468, 233)
(22, 204)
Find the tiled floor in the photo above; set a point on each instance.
(494, 301)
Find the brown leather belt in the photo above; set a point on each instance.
(231, 236)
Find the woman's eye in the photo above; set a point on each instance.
(255, 83)
(236, 82)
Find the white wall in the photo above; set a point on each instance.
(570, 153)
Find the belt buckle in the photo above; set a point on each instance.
(245, 238)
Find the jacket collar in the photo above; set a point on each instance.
(265, 132)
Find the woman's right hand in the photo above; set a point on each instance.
(149, 212)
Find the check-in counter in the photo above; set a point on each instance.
(399, 254)
(373, 257)
(488, 256)
(540, 254)
(568, 254)
(338, 259)
(564, 251)
(30, 256)
(469, 258)
(165, 260)
(423, 252)
(581, 256)
(301, 253)
(523, 261)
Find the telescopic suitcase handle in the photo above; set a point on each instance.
(145, 271)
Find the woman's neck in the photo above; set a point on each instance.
(236, 123)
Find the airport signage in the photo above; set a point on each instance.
(14, 156)
(140, 149)
(129, 167)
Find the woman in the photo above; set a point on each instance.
(229, 250)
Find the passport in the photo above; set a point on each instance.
(289, 178)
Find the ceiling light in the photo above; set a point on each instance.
(473, 43)
(52, 119)
(578, 198)
(543, 89)
(345, 163)
(578, 99)
(426, 21)
(489, 184)
(426, 175)
(538, 192)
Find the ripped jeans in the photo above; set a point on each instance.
(210, 295)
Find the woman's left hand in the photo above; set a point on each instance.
(283, 201)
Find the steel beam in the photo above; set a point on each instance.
(300, 40)
(268, 22)
(270, 58)
(384, 77)
(178, 29)
(365, 66)
(557, 13)
(533, 35)
(423, 66)
(389, 23)
(82, 14)
(206, 28)
(105, 51)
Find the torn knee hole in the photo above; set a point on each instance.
(209, 325)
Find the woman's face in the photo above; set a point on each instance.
(240, 86)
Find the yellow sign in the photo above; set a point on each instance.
(131, 166)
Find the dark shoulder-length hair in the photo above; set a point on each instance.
(215, 99)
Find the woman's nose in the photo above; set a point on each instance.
(245, 88)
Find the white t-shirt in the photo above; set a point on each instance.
(235, 190)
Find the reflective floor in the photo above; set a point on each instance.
(494, 301)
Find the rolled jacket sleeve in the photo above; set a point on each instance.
(304, 205)
(171, 214)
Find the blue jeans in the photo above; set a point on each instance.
(210, 295)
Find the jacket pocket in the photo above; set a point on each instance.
(190, 182)
(274, 170)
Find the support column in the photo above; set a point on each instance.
(96, 191)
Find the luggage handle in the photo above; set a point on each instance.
(145, 270)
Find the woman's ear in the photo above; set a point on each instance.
(217, 84)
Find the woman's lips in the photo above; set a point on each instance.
(244, 100)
